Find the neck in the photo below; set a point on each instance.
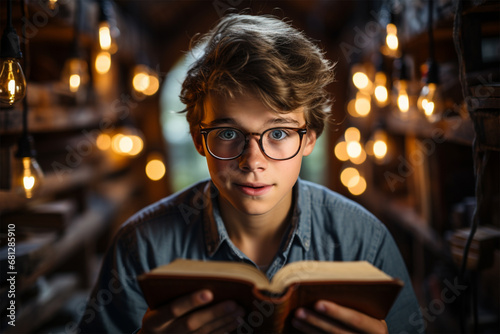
(258, 236)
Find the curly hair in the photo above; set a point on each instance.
(264, 56)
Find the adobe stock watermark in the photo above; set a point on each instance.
(365, 38)
(437, 306)
(427, 146)
(76, 153)
(104, 296)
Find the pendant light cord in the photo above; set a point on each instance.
(24, 11)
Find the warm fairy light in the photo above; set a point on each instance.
(155, 169)
(104, 36)
(354, 149)
(29, 177)
(125, 144)
(103, 62)
(361, 80)
(352, 134)
(392, 37)
(362, 104)
(137, 145)
(348, 175)
(140, 82)
(351, 108)
(428, 101)
(380, 91)
(154, 85)
(12, 81)
(358, 160)
(380, 149)
(341, 151)
(103, 141)
(359, 187)
(74, 82)
(381, 94)
(403, 100)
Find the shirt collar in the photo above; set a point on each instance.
(216, 233)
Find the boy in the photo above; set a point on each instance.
(255, 102)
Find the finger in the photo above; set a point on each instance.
(319, 323)
(159, 319)
(351, 318)
(208, 319)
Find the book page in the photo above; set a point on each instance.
(307, 271)
(232, 270)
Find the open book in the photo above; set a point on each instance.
(358, 285)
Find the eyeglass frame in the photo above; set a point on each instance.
(205, 131)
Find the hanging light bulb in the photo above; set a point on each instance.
(403, 100)
(12, 80)
(107, 27)
(145, 80)
(103, 62)
(75, 74)
(430, 102)
(155, 168)
(401, 88)
(391, 38)
(380, 92)
(140, 80)
(28, 176)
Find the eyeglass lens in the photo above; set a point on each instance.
(277, 143)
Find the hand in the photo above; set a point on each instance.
(176, 317)
(329, 317)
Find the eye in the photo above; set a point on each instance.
(278, 134)
(227, 134)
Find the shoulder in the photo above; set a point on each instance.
(323, 201)
(174, 212)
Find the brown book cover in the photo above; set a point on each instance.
(270, 305)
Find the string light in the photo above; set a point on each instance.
(380, 92)
(107, 27)
(127, 142)
(155, 168)
(145, 80)
(28, 176)
(103, 62)
(362, 104)
(430, 101)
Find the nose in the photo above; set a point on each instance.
(253, 159)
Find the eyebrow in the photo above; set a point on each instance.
(277, 121)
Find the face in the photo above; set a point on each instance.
(253, 184)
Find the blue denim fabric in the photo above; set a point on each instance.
(325, 226)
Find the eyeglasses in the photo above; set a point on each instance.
(227, 143)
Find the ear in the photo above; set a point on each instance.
(309, 142)
(198, 143)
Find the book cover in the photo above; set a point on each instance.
(269, 305)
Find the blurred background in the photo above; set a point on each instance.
(90, 132)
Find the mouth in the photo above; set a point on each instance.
(254, 189)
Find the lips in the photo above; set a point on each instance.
(254, 189)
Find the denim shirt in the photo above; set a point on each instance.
(325, 226)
